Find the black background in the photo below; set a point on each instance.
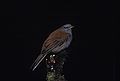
(93, 51)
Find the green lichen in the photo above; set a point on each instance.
(50, 76)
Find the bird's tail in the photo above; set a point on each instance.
(38, 61)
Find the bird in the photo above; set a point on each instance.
(57, 41)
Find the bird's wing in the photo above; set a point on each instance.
(55, 39)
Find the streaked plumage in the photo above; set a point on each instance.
(56, 41)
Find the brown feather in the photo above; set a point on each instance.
(54, 37)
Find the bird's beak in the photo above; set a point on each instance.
(72, 27)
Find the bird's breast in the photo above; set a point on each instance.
(69, 40)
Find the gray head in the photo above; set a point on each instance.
(66, 27)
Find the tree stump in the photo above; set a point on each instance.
(54, 63)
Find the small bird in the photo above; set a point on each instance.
(57, 41)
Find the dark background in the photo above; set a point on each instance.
(93, 51)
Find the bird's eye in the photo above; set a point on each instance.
(66, 27)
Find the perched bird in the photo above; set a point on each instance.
(57, 41)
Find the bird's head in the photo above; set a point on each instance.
(67, 26)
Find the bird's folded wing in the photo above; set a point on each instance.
(54, 40)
